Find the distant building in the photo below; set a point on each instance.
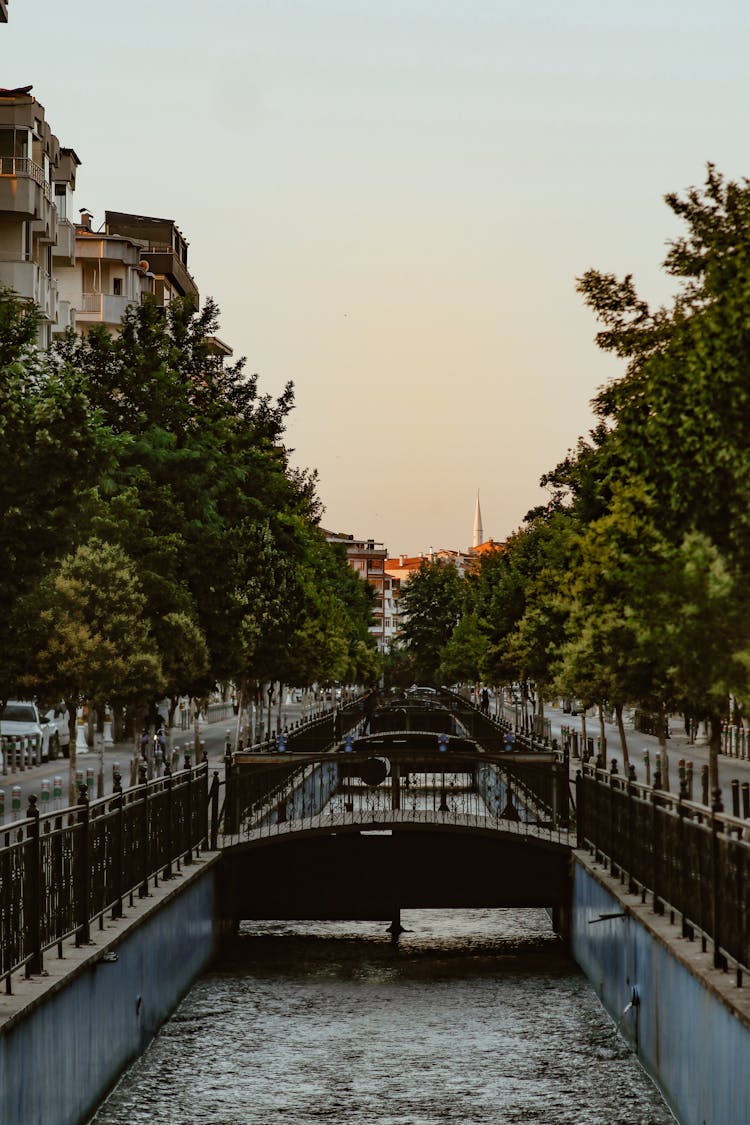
(368, 559)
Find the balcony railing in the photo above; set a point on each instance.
(24, 166)
(91, 303)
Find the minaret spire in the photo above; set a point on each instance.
(478, 535)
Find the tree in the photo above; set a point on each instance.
(679, 420)
(89, 634)
(55, 449)
(431, 604)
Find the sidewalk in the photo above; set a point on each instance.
(47, 778)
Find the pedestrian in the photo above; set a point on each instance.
(485, 700)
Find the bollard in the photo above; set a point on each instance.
(186, 763)
(704, 784)
(90, 782)
(45, 794)
(228, 743)
(647, 766)
(689, 780)
(115, 773)
(57, 790)
(735, 787)
(15, 798)
(613, 766)
(79, 780)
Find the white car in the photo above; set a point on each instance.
(59, 739)
(21, 720)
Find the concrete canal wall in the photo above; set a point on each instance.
(688, 1022)
(65, 1038)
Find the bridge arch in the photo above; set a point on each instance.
(371, 871)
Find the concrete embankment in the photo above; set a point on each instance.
(67, 1035)
(688, 1021)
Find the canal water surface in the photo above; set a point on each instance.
(478, 1017)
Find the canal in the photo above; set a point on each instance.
(478, 1017)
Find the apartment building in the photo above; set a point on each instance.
(105, 275)
(36, 177)
(164, 251)
(368, 559)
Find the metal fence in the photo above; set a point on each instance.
(59, 874)
(394, 786)
(690, 860)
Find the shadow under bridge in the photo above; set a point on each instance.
(392, 821)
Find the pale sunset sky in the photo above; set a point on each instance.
(390, 202)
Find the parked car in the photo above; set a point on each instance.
(58, 720)
(21, 719)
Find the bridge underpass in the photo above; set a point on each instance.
(399, 819)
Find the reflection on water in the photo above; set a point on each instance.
(478, 1017)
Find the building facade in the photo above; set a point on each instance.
(368, 558)
(37, 181)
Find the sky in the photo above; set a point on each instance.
(391, 200)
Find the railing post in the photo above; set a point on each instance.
(716, 807)
(119, 850)
(167, 872)
(82, 860)
(33, 890)
(188, 857)
(145, 842)
(214, 804)
(580, 811)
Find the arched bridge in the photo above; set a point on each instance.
(400, 818)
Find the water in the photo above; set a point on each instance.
(479, 1017)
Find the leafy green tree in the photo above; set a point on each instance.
(54, 450)
(461, 655)
(91, 641)
(431, 604)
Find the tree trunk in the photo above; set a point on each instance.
(714, 748)
(602, 736)
(585, 745)
(623, 740)
(663, 758)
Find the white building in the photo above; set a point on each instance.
(36, 175)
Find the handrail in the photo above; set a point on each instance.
(66, 869)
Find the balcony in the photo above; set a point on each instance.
(65, 246)
(166, 263)
(102, 308)
(30, 282)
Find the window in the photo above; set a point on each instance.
(61, 200)
(117, 286)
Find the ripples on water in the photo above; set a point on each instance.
(479, 1018)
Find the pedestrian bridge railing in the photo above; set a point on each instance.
(62, 872)
(270, 796)
(689, 860)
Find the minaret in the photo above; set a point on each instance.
(478, 536)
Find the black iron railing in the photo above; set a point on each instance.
(59, 874)
(386, 785)
(689, 860)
